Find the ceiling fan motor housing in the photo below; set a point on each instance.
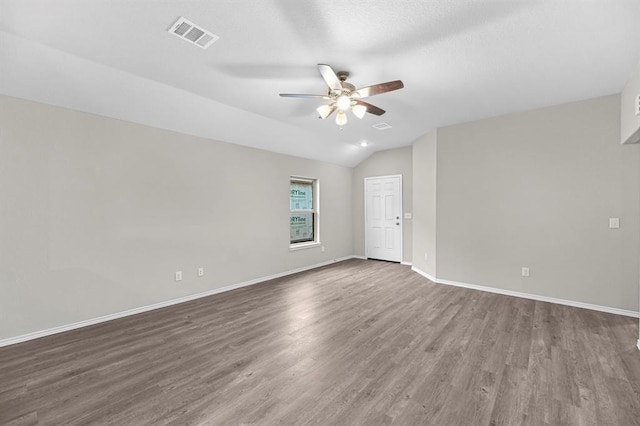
(347, 87)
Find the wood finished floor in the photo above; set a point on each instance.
(358, 342)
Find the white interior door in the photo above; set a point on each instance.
(383, 217)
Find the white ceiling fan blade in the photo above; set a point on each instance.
(300, 95)
(330, 78)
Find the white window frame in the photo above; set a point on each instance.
(316, 210)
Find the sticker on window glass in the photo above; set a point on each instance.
(301, 196)
(301, 227)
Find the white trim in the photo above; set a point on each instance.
(401, 219)
(406, 263)
(575, 304)
(302, 246)
(303, 179)
(315, 182)
(141, 309)
(366, 220)
(383, 177)
(638, 344)
(134, 311)
(424, 274)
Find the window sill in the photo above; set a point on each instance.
(303, 246)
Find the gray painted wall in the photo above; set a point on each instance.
(97, 214)
(536, 189)
(629, 121)
(424, 203)
(383, 163)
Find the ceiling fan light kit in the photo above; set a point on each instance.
(344, 96)
(341, 118)
(325, 110)
(359, 110)
(344, 102)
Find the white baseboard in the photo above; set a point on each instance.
(134, 311)
(365, 258)
(575, 304)
(424, 274)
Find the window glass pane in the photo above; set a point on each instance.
(301, 196)
(301, 226)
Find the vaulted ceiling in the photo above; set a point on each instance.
(459, 61)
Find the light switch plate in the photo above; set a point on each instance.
(614, 222)
(408, 215)
(637, 104)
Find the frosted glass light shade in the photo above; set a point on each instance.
(343, 102)
(359, 110)
(341, 118)
(324, 111)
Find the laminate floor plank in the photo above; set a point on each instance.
(356, 342)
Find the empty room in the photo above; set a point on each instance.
(319, 212)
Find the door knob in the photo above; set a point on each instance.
(397, 223)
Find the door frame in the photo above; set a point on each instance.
(366, 221)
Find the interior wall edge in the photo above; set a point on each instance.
(572, 303)
(424, 274)
(92, 321)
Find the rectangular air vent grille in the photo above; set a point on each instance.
(192, 33)
(382, 126)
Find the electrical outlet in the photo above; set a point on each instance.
(178, 275)
(201, 272)
(525, 271)
(614, 222)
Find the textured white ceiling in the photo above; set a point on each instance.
(459, 61)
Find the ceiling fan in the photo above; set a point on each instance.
(344, 96)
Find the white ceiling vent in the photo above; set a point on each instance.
(381, 126)
(192, 33)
